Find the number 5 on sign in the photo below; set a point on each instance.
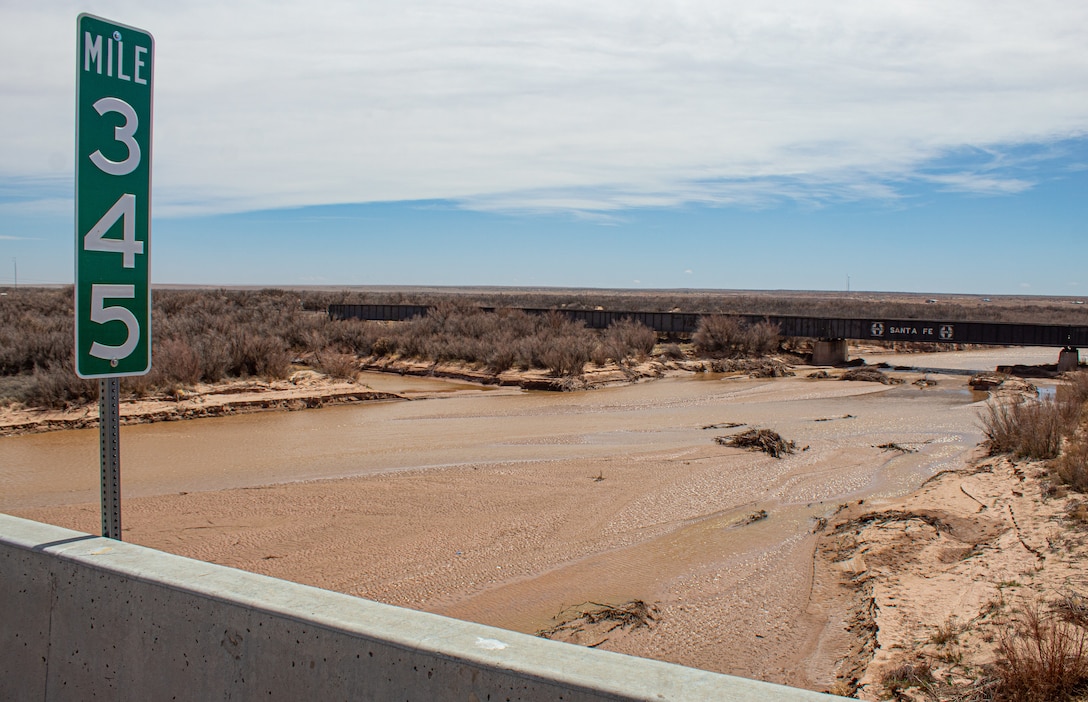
(114, 69)
(101, 314)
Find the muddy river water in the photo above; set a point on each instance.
(504, 506)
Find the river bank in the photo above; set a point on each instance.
(930, 585)
(305, 388)
(302, 390)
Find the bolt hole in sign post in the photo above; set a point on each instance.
(115, 64)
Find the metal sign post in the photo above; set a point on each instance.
(109, 442)
(114, 69)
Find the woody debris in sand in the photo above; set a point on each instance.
(765, 440)
(600, 618)
(870, 375)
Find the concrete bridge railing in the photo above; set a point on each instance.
(85, 617)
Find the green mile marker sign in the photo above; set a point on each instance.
(115, 65)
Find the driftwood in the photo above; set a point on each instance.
(629, 615)
(764, 440)
(892, 446)
(870, 375)
(724, 425)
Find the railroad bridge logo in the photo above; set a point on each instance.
(947, 332)
(877, 329)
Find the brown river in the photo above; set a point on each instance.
(504, 506)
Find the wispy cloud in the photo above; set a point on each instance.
(981, 183)
(37, 207)
(585, 107)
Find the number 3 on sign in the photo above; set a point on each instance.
(123, 134)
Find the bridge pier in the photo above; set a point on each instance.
(829, 352)
(1068, 359)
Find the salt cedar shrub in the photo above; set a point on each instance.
(1071, 466)
(1024, 429)
(58, 387)
(1035, 429)
(628, 338)
(673, 352)
(337, 365)
(729, 337)
(1042, 659)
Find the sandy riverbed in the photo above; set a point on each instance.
(508, 508)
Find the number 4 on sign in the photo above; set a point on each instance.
(125, 210)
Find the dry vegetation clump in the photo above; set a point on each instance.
(342, 366)
(673, 352)
(623, 340)
(754, 367)
(601, 619)
(766, 440)
(729, 337)
(870, 375)
(1042, 659)
(916, 674)
(1022, 429)
(1029, 428)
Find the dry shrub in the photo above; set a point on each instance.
(1034, 429)
(337, 365)
(673, 352)
(565, 357)
(214, 360)
(719, 335)
(1071, 467)
(623, 340)
(1025, 429)
(1072, 607)
(630, 338)
(177, 360)
(13, 388)
(264, 356)
(602, 354)
(353, 335)
(1074, 390)
(917, 674)
(59, 387)
(501, 359)
(1043, 659)
(763, 338)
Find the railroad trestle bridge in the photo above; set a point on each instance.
(830, 333)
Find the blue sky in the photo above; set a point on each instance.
(912, 146)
